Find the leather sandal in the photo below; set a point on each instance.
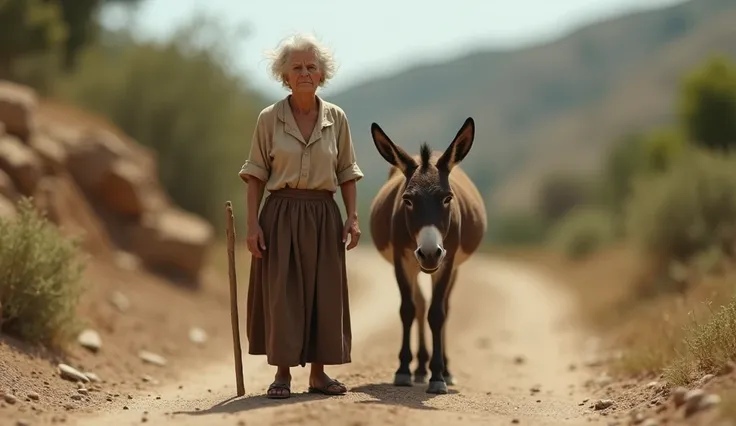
(325, 390)
(279, 395)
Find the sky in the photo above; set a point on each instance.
(378, 37)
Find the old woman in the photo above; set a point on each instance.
(301, 152)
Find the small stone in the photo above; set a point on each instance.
(76, 397)
(33, 396)
(602, 404)
(694, 396)
(650, 422)
(152, 358)
(678, 396)
(125, 407)
(707, 378)
(92, 376)
(127, 261)
(83, 391)
(709, 401)
(90, 339)
(10, 398)
(70, 373)
(515, 421)
(22, 423)
(120, 301)
(519, 359)
(148, 379)
(197, 335)
(692, 401)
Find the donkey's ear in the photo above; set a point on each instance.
(392, 153)
(459, 147)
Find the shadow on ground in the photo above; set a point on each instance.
(239, 404)
(384, 393)
(414, 397)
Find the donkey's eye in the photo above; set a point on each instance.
(407, 202)
(447, 200)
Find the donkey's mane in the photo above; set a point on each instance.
(425, 152)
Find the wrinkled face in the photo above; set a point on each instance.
(427, 198)
(426, 206)
(302, 72)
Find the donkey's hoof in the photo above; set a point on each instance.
(450, 380)
(420, 378)
(402, 379)
(437, 387)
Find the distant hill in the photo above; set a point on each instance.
(553, 105)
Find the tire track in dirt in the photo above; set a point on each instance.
(499, 310)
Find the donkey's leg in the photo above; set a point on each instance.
(407, 311)
(420, 304)
(436, 318)
(449, 378)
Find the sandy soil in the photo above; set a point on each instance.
(509, 332)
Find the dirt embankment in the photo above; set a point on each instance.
(646, 337)
(154, 282)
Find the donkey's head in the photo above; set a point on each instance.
(427, 197)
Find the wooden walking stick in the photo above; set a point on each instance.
(234, 298)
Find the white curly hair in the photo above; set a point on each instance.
(301, 43)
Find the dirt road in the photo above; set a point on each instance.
(499, 311)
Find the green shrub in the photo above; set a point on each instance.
(688, 210)
(582, 231)
(181, 97)
(662, 148)
(707, 104)
(40, 278)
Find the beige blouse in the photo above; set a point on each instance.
(281, 157)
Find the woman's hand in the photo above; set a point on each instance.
(255, 240)
(351, 227)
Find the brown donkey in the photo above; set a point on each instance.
(428, 217)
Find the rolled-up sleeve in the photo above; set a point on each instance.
(258, 163)
(347, 166)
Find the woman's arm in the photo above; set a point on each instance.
(254, 196)
(255, 172)
(349, 192)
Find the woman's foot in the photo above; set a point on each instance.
(278, 390)
(322, 383)
(281, 386)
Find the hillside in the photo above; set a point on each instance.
(553, 105)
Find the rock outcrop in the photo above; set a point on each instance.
(91, 179)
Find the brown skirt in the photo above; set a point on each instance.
(298, 307)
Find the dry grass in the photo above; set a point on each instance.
(40, 279)
(685, 334)
(655, 334)
(709, 344)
